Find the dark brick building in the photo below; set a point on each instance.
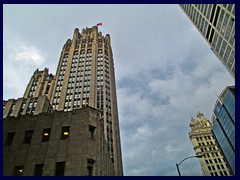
(53, 144)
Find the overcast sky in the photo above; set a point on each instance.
(165, 73)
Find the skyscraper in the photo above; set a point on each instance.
(216, 23)
(85, 77)
(204, 143)
(224, 124)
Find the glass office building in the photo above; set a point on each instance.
(224, 124)
(216, 23)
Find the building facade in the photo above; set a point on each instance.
(224, 124)
(213, 162)
(41, 83)
(216, 23)
(30, 105)
(85, 77)
(56, 144)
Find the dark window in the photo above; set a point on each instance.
(46, 135)
(18, 170)
(38, 169)
(212, 13)
(65, 132)
(91, 130)
(9, 139)
(28, 137)
(216, 16)
(60, 166)
(90, 167)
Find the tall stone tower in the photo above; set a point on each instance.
(213, 162)
(85, 77)
(216, 23)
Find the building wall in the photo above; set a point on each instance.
(224, 124)
(216, 23)
(77, 150)
(22, 106)
(213, 162)
(85, 76)
(41, 83)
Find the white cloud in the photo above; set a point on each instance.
(19, 61)
(29, 55)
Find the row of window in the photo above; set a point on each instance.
(203, 138)
(218, 160)
(46, 135)
(59, 169)
(30, 109)
(221, 173)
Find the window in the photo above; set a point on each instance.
(91, 130)
(90, 167)
(9, 139)
(28, 137)
(65, 132)
(38, 169)
(46, 135)
(60, 166)
(18, 171)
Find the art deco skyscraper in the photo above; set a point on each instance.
(213, 162)
(216, 23)
(85, 77)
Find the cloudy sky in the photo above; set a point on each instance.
(165, 73)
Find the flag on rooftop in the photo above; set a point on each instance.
(99, 24)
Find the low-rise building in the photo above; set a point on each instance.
(56, 144)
